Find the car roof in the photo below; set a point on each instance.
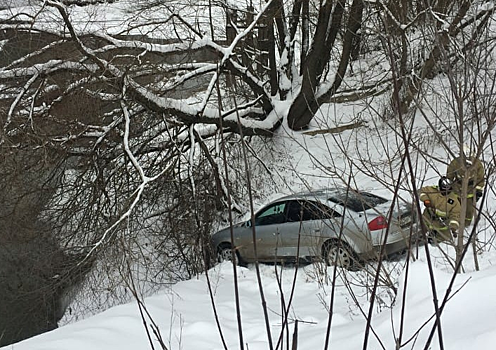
(351, 198)
(321, 194)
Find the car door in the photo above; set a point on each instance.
(309, 223)
(269, 222)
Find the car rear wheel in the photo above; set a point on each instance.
(224, 253)
(340, 254)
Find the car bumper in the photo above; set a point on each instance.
(397, 243)
(396, 247)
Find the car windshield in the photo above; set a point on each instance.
(356, 201)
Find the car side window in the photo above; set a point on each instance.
(309, 210)
(294, 211)
(274, 214)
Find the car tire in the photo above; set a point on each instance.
(340, 254)
(224, 253)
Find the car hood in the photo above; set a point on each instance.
(227, 230)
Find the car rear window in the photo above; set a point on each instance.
(357, 201)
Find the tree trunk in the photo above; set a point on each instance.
(307, 103)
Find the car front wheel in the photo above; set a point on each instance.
(340, 254)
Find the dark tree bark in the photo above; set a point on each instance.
(305, 31)
(307, 103)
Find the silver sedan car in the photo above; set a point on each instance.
(344, 227)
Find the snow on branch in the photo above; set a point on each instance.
(179, 109)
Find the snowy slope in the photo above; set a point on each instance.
(185, 318)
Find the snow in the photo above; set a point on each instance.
(184, 317)
(184, 313)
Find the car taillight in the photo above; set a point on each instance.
(378, 223)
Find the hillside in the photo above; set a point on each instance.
(130, 133)
(183, 314)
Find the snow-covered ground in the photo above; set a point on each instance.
(185, 318)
